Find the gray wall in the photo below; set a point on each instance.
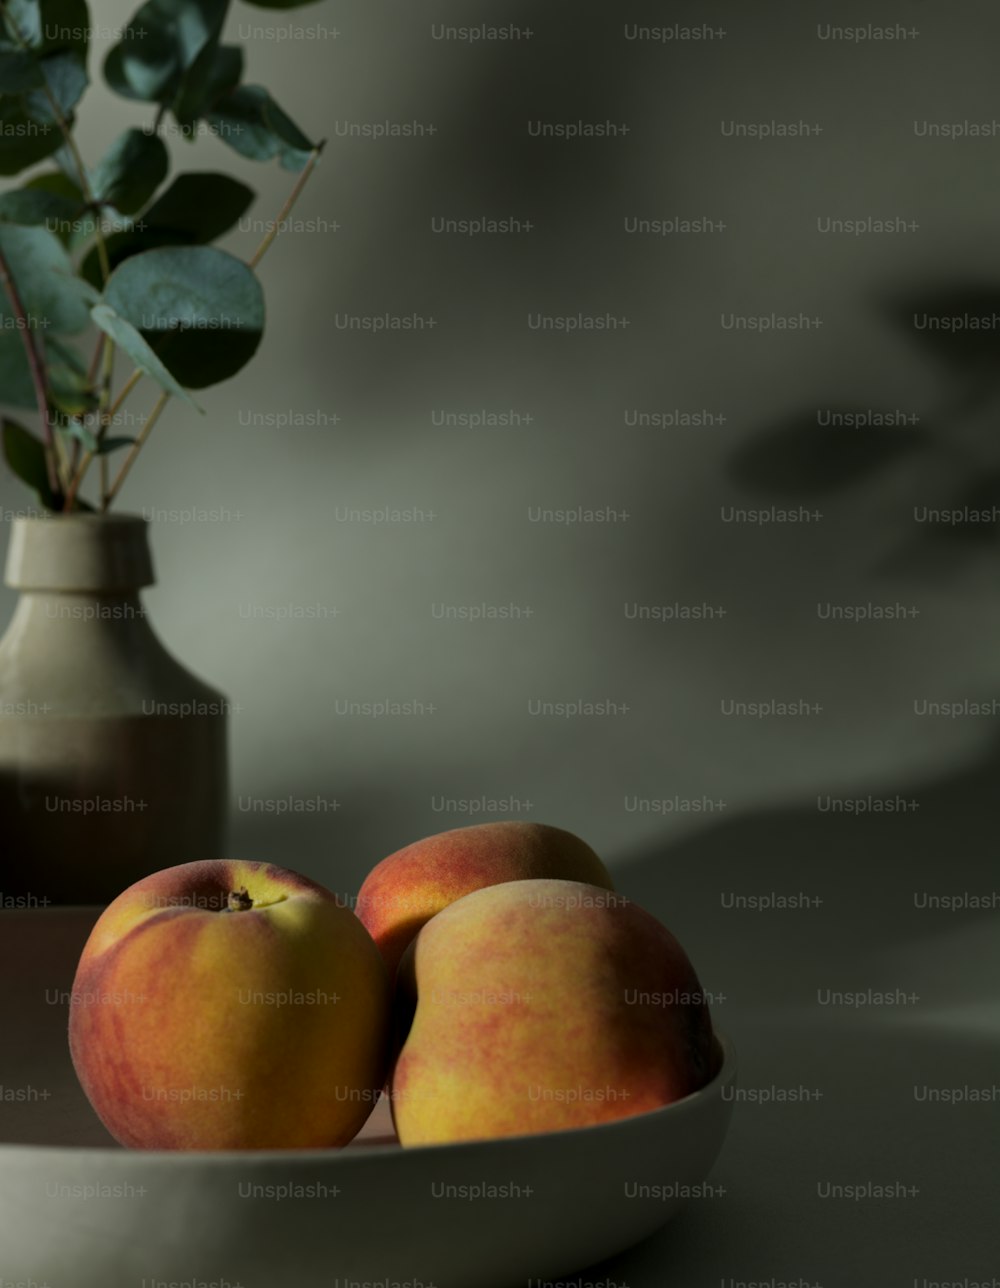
(282, 543)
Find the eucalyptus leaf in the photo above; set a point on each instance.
(76, 429)
(64, 76)
(67, 354)
(34, 204)
(17, 389)
(252, 124)
(53, 297)
(68, 384)
(225, 71)
(25, 455)
(163, 39)
(48, 25)
(90, 293)
(128, 338)
(145, 64)
(113, 444)
(131, 171)
(296, 147)
(200, 204)
(19, 72)
(194, 210)
(199, 308)
(56, 182)
(23, 140)
(215, 71)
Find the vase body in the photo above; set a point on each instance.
(113, 757)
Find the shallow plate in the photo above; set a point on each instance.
(77, 1210)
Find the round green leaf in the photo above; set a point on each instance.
(16, 386)
(132, 170)
(200, 309)
(215, 71)
(202, 205)
(38, 203)
(252, 124)
(145, 63)
(163, 39)
(131, 342)
(19, 71)
(48, 25)
(69, 387)
(50, 292)
(195, 209)
(64, 75)
(25, 455)
(23, 140)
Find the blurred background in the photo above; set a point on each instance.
(471, 606)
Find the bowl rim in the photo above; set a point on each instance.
(351, 1153)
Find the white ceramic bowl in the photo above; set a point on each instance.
(77, 1210)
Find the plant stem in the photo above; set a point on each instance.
(76, 480)
(108, 366)
(37, 373)
(95, 361)
(126, 389)
(283, 214)
(134, 450)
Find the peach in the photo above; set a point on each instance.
(415, 883)
(540, 1005)
(230, 1005)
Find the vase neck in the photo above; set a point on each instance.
(86, 554)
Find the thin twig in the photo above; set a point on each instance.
(95, 361)
(135, 449)
(37, 372)
(77, 479)
(126, 389)
(283, 214)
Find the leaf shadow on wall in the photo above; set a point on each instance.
(953, 454)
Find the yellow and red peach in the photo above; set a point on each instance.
(415, 883)
(540, 1005)
(230, 1005)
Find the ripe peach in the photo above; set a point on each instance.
(229, 1005)
(541, 1005)
(412, 885)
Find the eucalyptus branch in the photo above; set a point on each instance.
(74, 151)
(56, 480)
(131, 173)
(37, 367)
(164, 398)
